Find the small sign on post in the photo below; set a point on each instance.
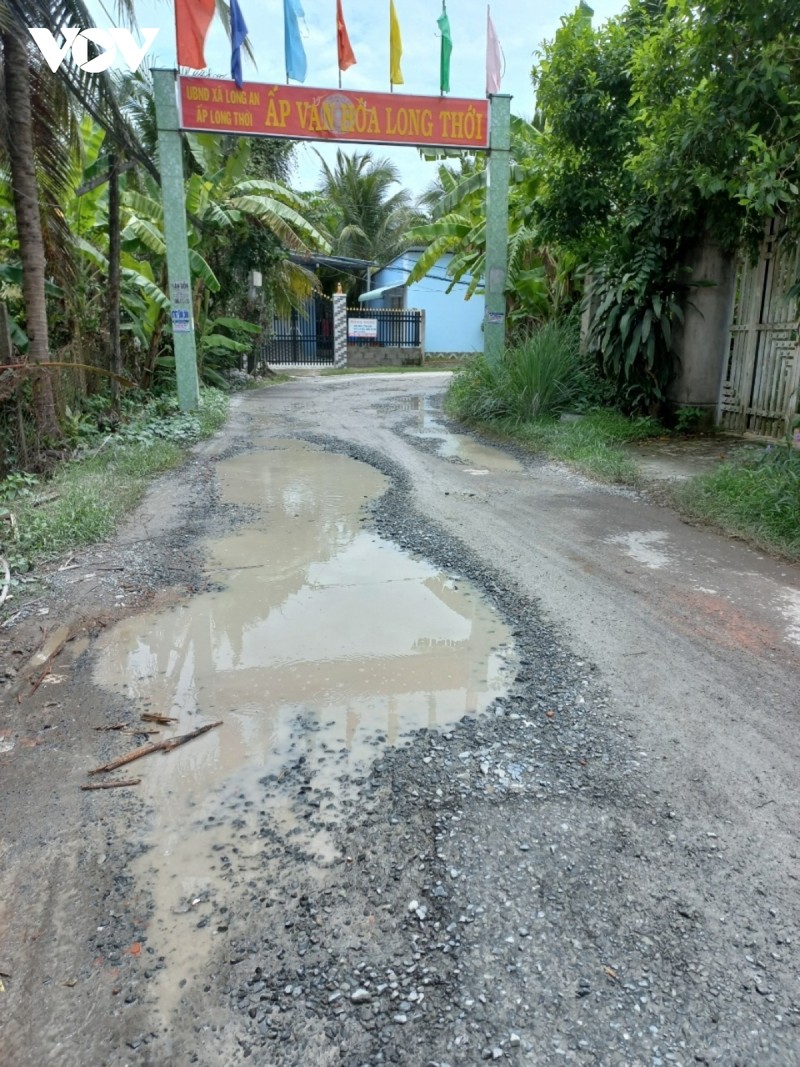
(181, 321)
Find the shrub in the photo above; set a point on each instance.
(541, 375)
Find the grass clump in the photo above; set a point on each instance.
(593, 443)
(522, 396)
(755, 495)
(542, 375)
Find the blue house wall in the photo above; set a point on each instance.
(452, 324)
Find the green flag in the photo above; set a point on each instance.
(443, 22)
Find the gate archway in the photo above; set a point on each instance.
(214, 105)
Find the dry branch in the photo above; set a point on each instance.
(162, 720)
(111, 785)
(155, 746)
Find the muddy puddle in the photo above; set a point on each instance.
(480, 458)
(322, 644)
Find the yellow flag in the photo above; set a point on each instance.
(395, 47)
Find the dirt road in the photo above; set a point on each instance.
(508, 767)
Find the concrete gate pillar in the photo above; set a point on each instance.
(340, 329)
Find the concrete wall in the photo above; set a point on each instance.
(452, 324)
(366, 356)
(702, 344)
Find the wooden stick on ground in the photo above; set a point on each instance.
(154, 746)
(114, 726)
(112, 785)
(162, 720)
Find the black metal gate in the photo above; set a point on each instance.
(304, 337)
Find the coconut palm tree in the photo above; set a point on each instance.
(367, 220)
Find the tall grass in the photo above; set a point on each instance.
(541, 375)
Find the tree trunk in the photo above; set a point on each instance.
(115, 348)
(29, 225)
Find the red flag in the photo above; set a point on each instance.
(192, 19)
(346, 55)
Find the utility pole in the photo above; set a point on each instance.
(170, 155)
(494, 323)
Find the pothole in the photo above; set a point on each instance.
(427, 427)
(321, 644)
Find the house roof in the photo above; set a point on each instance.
(376, 294)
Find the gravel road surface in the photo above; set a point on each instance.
(559, 825)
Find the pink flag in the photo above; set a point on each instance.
(493, 58)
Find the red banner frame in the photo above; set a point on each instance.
(216, 105)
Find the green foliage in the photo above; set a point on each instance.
(685, 111)
(86, 499)
(690, 420)
(716, 88)
(756, 495)
(16, 486)
(541, 375)
(78, 426)
(635, 308)
(356, 205)
(540, 278)
(593, 443)
(583, 95)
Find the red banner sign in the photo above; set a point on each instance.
(332, 114)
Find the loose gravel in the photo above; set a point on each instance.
(509, 889)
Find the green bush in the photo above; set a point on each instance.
(541, 375)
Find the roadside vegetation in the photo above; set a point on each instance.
(104, 478)
(634, 159)
(547, 396)
(756, 496)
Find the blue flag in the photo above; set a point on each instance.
(238, 34)
(293, 45)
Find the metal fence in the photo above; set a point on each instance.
(300, 338)
(384, 327)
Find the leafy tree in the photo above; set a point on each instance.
(674, 122)
(37, 132)
(226, 209)
(716, 87)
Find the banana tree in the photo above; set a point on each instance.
(223, 206)
(535, 281)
